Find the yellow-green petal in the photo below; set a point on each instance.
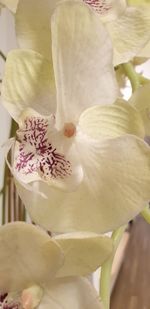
(141, 101)
(129, 33)
(111, 120)
(33, 25)
(28, 82)
(28, 256)
(84, 252)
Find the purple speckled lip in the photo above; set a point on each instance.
(37, 154)
(100, 6)
(4, 304)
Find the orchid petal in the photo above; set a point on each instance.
(82, 58)
(28, 256)
(141, 101)
(69, 293)
(111, 121)
(108, 9)
(84, 253)
(129, 33)
(10, 4)
(28, 82)
(33, 25)
(115, 188)
(145, 52)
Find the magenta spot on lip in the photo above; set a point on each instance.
(4, 304)
(37, 154)
(100, 6)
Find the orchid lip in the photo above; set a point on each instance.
(36, 152)
(6, 303)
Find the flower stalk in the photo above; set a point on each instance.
(132, 75)
(105, 279)
(146, 214)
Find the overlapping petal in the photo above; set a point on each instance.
(30, 259)
(115, 188)
(82, 58)
(130, 33)
(111, 121)
(83, 252)
(69, 293)
(28, 82)
(33, 25)
(141, 101)
(27, 256)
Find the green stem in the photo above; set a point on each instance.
(2, 55)
(146, 214)
(6, 174)
(132, 75)
(105, 280)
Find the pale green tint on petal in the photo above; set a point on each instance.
(28, 82)
(28, 256)
(84, 253)
(129, 33)
(33, 25)
(82, 57)
(111, 121)
(141, 101)
(115, 188)
(10, 4)
(70, 293)
(108, 9)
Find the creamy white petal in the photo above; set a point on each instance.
(141, 101)
(115, 188)
(84, 252)
(33, 25)
(10, 4)
(28, 256)
(82, 58)
(70, 293)
(145, 52)
(130, 33)
(28, 82)
(111, 121)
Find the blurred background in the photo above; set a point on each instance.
(131, 268)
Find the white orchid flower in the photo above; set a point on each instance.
(38, 271)
(129, 27)
(84, 154)
(10, 4)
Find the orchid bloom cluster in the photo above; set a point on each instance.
(81, 162)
